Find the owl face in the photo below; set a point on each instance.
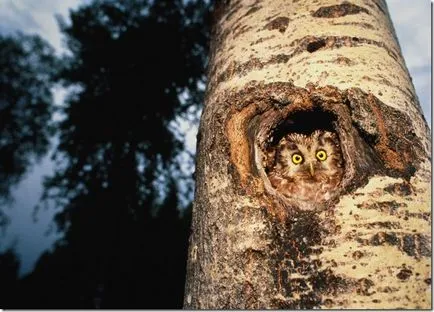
(308, 168)
(311, 158)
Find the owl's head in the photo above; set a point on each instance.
(316, 157)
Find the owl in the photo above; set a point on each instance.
(307, 168)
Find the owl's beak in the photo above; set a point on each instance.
(311, 169)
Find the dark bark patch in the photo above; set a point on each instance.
(388, 83)
(418, 215)
(404, 274)
(219, 11)
(423, 245)
(409, 244)
(235, 27)
(240, 69)
(387, 289)
(333, 11)
(383, 238)
(250, 296)
(389, 131)
(336, 42)
(414, 245)
(219, 36)
(280, 23)
(390, 207)
(382, 225)
(237, 69)
(296, 284)
(357, 255)
(342, 60)
(315, 45)
(328, 303)
(306, 301)
(263, 39)
(362, 25)
(252, 10)
(295, 243)
(363, 286)
(399, 189)
(269, 18)
(278, 59)
(327, 283)
(233, 8)
(379, 7)
(241, 31)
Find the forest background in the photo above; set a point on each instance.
(99, 108)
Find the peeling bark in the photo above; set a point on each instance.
(288, 66)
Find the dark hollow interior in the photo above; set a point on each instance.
(304, 122)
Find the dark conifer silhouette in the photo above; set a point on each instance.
(27, 69)
(9, 282)
(125, 241)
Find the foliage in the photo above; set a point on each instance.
(9, 265)
(116, 179)
(28, 69)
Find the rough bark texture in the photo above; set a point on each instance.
(277, 66)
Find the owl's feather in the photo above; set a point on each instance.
(312, 180)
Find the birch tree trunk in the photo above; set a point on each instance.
(277, 64)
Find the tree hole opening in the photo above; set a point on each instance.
(303, 122)
(303, 160)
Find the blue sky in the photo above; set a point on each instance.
(31, 233)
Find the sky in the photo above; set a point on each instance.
(412, 21)
(31, 233)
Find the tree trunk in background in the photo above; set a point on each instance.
(278, 65)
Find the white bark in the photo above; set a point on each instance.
(371, 247)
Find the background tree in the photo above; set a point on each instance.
(280, 67)
(116, 178)
(9, 283)
(27, 74)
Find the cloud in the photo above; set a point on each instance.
(412, 21)
(35, 17)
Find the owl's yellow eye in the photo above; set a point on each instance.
(321, 155)
(297, 159)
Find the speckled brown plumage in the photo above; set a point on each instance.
(313, 180)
